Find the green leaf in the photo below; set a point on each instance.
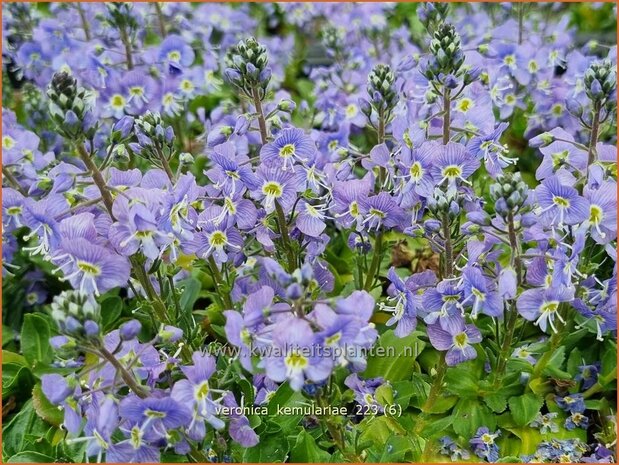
(555, 364)
(270, 449)
(31, 457)
(393, 357)
(525, 408)
(16, 380)
(12, 357)
(111, 308)
(384, 394)
(284, 397)
(462, 382)
(14, 437)
(436, 427)
(574, 361)
(469, 415)
(35, 336)
(393, 450)
(191, 292)
(608, 369)
(497, 402)
(44, 408)
(377, 430)
(306, 450)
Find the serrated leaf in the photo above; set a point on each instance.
(469, 415)
(525, 408)
(461, 382)
(44, 408)
(497, 402)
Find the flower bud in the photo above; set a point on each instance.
(294, 291)
(185, 158)
(286, 105)
(170, 334)
(130, 330)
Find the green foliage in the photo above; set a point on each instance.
(35, 336)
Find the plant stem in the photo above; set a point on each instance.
(160, 19)
(283, 231)
(85, 24)
(382, 172)
(261, 121)
(127, 377)
(124, 38)
(441, 369)
(97, 178)
(446, 114)
(375, 264)
(218, 278)
(334, 429)
(138, 270)
(13, 181)
(448, 265)
(513, 316)
(166, 165)
(595, 129)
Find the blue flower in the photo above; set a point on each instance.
(484, 445)
(456, 340)
(291, 146)
(573, 403)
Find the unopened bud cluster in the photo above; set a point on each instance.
(382, 92)
(431, 14)
(446, 63)
(509, 194)
(70, 107)
(76, 315)
(154, 137)
(248, 67)
(601, 83)
(442, 203)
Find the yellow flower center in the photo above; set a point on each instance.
(88, 268)
(465, 104)
(218, 239)
(452, 171)
(296, 360)
(272, 189)
(561, 202)
(550, 307)
(118, 102)
(287, 151)
(416, 171)
(8, 142)
(351, 110)
(174, 55)
(331, 340)
(460, 340)
(202, 390)
(595, 214)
